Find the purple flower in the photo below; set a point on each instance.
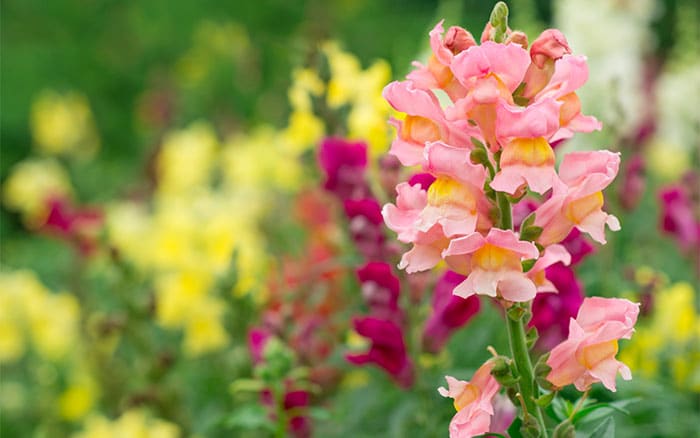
(677, 217)
(344, 164)
(577, 245)
(380, 287)
(450, 312)
(424, 179)
(387, 350)
(551, 312)
(366, 226)
(633, 183)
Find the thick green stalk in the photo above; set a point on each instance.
(521, 357)
(516, 335)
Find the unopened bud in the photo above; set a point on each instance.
(517, 37)
(458, 39)
(551, 44)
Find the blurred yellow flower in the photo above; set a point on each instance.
(345, 71)
(134, 423)
(186, 159)
(31, 184)
(670, 340)
(303, 132)
(77, 401)
(176, 294)
(51, 319)
(62, 124)
(204, 331)
(305, 85)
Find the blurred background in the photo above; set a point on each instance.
(162, 201)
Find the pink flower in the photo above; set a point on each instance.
(547, 48)
(495, 265)
(473, 402)
(504, 412)
(588, 355)
(450, 312)
(387, 351)
(577, 199)
(527, 157)
(570, 73)
(425, 122)
(437, 73)
(455, 200)
(552, 254)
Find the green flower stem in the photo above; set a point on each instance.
(521, 356)
(516, 336)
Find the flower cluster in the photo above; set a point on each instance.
(483, 120)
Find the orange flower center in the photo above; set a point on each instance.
(579, 209)
(419, 129)
(493, 258)
(468, 395)
(592, 355)
(571, 107)
(529, 151)
(442, 73)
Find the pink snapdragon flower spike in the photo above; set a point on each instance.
(495, 265)
(677, 216)
(387, 351)
(473, 402)
(577, 199)
(527, 157)
(450, 312)
(588, 355)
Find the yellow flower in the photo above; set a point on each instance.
(129, 230)
(53, 324)
(345, 72)
(305, 84)
(77, 401)
(133, 423)
(177, 292)
(62, 124)
(186, 159)
(30, 184)
(204, 331)
(303, 132)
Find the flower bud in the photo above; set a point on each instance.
(458, 39)
(551, 44)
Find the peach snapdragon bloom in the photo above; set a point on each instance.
(588, 355)
(473, 402)
(494, 264)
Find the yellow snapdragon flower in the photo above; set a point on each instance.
(134, 423)
(62, 124)
(30, 184)
(186, 159)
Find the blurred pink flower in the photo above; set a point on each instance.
(387, 350)
(344, 164)
(450, 312)
(678, 217)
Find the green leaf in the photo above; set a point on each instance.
(514, 429)
(605, 430)
(545, 399)
(249, 416)
(599, 410)
(246, 385)
(528, 264)
(530, 233)
(564, 430)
